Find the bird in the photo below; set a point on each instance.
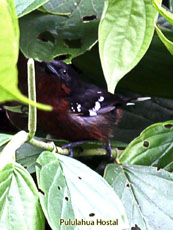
(82, 111)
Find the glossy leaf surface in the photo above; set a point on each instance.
(71, 190)
(125, 32)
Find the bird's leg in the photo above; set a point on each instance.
(73, 144)
(109, 149)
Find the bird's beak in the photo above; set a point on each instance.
(50, 66)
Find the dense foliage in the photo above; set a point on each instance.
(128, 45)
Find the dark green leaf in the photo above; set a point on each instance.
(19, 204)
(71, 190)
(136, 118)
(146, 194)
(54, 35)
(153, 147)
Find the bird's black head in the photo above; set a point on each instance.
(61, 70)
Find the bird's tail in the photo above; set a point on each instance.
(132, 101)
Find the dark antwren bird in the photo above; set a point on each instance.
(81, 111)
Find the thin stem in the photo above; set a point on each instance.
(48, 146)
(32, 116)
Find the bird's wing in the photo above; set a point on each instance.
(90, 100)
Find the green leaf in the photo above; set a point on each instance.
(71, 190)
(16, 109)
(60, 7)
(19, 204)
(26, 6)
(125, 32)
(166, 42)
(54, 35)
(9, 48)
(163, 11)
(9, 40)
(153, 147)
(146, 194)
(4, 138)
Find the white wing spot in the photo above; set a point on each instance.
(99, 91)
(92, 112)
(101, 98)
(97, 106)
(78, 107)
(72, 109)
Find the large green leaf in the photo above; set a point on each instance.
(26, 6)
(19, 204)
(54, 35)
(125, 32)
(153, 147)
(9, 48)
(70, 190)
(146, 194)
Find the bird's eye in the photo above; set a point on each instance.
(64, 71)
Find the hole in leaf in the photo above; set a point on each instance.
(66, 198)
(92, 214)
(80, 178)
(46, 36)
(168, 126)
(146, 144)
(63, 57)
(38, 165)
(89, 18)
(59, 187)
(127, 185)
(73, 43)
(41, 191)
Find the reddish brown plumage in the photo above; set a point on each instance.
(61, 123)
